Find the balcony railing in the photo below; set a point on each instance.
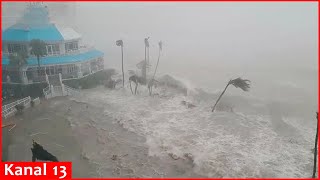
(71, 52)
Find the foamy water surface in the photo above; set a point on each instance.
(256, 141)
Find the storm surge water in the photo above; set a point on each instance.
(245, 137)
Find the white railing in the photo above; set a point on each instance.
(47, 92)
(59, 91)
(10, 109)
(70, 52)
(71, 91)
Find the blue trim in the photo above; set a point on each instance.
(46, 33)
(52, 60)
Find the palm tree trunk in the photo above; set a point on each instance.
(130, 87)
(38, 58)
(145, 64)
(214, 107)
(155, 70)
(135, 91)
(122, 66)
(148, 59)
(315, 152)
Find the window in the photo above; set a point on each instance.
(59, 69)
(71, 46)
(71, 68)
(14, 48)
(53, 49)
(50, 70)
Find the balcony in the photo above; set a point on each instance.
(82, 49)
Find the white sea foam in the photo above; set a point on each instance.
(222, 144)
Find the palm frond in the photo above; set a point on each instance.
(146, 42)
(18, 59)
(119, 43)
(243, 84)
(160, 45)
(38, 47)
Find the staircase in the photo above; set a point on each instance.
(57, 88)
(54, 80)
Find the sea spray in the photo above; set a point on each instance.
(223, 144)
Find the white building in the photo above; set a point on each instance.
(66, 54)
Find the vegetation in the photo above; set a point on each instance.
(238, 83)
(19, 108)
(144, 68)
(18, 60)
(120, 43)
(153, 82)
(12, 92)
(160, 49)
(38, 48)
(32, 103)
(91, 81)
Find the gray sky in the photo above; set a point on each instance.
(209, 34)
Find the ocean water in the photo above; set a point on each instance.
(260, 137)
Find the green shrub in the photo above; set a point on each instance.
(19, 108)
(91, 81)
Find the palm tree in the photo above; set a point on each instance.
(144, 68)
(238, 83)
(315, 151)
(160, 49)
(120, 43)
(18, 60)
(38, 48)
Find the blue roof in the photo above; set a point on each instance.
(46, 33)
(52, 60)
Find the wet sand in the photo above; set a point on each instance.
(69, 130)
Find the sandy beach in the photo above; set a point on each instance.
(65, 128)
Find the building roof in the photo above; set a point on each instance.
(54, 60)
(45, 33)
(69, 33)
(35, 24)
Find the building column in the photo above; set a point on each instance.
(79, 70)
(24, 77)
(60, 78)
(89, 64)
(47, 79)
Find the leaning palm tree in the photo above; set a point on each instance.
(315, 151)
(38, 48)
(243, 84)
(152, 81)
(120, 43)
(160, 49)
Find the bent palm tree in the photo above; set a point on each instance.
(152, 81)
(160, 49)
(315, 151)
(38, 48)
(243, 84)
(120, 43)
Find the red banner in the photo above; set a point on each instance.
(36, 170)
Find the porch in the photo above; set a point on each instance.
(30, 75)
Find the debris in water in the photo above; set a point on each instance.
(114, 157)
(173, 156)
